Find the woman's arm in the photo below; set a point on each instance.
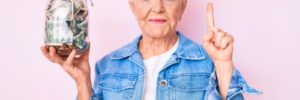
(224, 73)
(84, 88)
(219, 46)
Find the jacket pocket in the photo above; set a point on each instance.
(189, 86)
(190, 81)
(117, 81)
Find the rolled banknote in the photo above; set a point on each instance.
(66, 25)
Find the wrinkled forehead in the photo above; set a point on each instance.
(159, 0)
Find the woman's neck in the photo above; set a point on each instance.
(150, 46)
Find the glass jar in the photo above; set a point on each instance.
(67, 26)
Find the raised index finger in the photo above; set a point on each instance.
(210, 15)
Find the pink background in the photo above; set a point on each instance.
(266, 48)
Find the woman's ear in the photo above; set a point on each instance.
(183, 6)
(130, 2)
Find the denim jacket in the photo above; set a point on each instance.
(189, 74)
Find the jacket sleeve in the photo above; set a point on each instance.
(237, 87)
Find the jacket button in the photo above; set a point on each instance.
(163, 83)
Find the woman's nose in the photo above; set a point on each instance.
(158, 6)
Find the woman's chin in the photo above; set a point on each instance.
(157, 33)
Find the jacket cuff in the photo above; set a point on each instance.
(239, 86)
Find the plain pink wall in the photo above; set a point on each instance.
(266, 48)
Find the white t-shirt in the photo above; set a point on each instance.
(153, 65)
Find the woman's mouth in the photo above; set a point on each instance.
(157, 21)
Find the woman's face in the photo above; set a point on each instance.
(157, 18)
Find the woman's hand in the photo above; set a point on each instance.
(77, 67)
(217, 43)
(219, 46)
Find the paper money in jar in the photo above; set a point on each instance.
(66, 26)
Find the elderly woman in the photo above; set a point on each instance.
(162, 63)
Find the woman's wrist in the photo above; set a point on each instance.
(84, 87)
(223, 64)
(224, 71)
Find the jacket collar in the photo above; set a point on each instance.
(187, 49)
